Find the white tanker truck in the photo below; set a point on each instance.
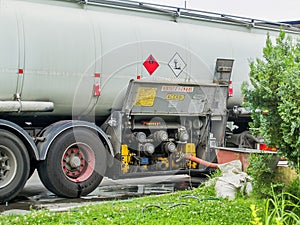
(120, 89)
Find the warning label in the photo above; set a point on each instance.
(145, 96)
(177, 88)
(178, 97)
(177, 64)
(151, 64)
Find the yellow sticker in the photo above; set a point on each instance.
(177, 97)
(145, 96)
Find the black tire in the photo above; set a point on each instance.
(14, 165)
(61, 173)
(33, 163)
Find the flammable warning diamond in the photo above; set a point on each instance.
(151, 64)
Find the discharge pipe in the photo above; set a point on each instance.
(201, 161)
(26, 106)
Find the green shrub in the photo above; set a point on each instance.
(262, 171)
(294, 189)
(275, 89)
(282, 210)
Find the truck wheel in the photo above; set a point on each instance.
(75, 163)
(14, 165)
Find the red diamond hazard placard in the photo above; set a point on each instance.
(151, 64)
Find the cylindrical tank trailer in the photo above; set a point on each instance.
(67, 105)
(51, 49)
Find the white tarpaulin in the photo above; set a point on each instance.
(233, 179)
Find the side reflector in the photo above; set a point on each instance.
(265, 147)
(230, 89)
(97, 90)
(20, 71)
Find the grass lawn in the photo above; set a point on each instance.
(198, 206)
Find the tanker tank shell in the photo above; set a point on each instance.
(58, 51)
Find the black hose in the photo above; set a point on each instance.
(149, 206)
(178, 204)
(200, 199)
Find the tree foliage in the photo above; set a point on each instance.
(275, 89)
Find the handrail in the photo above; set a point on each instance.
(190, 13)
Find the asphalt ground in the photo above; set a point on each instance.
(36, 196)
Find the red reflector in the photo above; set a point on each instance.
(230, 89)
(20, 71)
(138, 77)
(149, 123)
(97, 89)
(265, 147)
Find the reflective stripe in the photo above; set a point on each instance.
(97, 89)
